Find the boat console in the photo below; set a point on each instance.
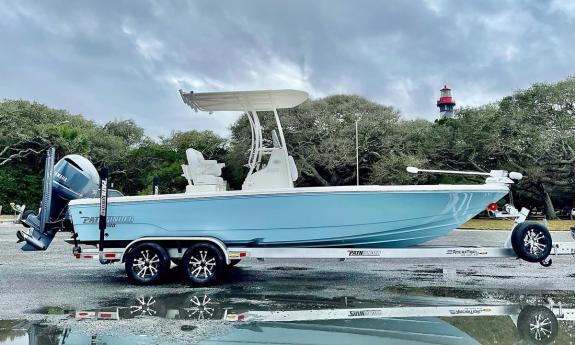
(270, 168)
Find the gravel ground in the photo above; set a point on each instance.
(34, 280)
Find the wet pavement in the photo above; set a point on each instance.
(406, 316)
(51, 298)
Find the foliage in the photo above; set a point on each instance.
(20, 184)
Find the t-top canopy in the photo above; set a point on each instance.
(265, 100)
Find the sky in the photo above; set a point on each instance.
(127, 59)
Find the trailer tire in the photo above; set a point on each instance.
(537, 325)
(147, 263)
(531, 241)
(203, 263)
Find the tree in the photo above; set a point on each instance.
(28, 129)
(531, 131)
(128, 130)
(545, 150)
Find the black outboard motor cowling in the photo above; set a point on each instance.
(73, 177)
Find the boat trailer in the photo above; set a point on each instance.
(234, 255)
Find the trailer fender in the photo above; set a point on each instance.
(159, 240)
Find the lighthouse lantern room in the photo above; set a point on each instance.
(445, 103)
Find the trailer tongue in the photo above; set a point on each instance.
(73, 177)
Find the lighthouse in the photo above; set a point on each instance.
(445, 103)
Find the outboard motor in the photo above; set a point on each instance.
(73, 177)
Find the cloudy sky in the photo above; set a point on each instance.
(127, 59)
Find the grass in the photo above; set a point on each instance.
(500, 224)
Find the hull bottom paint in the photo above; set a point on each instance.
(361, 217)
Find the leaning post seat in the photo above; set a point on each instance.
(202, 175)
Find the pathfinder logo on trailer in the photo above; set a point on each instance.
(111, 221)
(470, 311)
(364, 313)
(363, 252)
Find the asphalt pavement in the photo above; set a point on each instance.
(30, 281)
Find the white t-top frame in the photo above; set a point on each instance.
(250, 102)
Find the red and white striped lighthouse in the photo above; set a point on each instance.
(445, 103)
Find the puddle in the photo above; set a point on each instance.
(289, 268)
(404, 316)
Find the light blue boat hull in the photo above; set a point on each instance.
(368, 219)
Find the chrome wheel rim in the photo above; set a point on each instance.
(147, 264)
(534, 242)
(540, 327)
(144, 307)
(202, 264)
(201, 308)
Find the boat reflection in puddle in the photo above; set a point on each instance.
(337, 321)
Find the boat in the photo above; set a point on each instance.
(270, 211)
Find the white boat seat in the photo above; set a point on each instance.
(201, 166)
(202, 174)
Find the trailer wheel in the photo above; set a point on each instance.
(234, 262)
(203, 263)
(531, 241)
(537, 325)
(147, 263)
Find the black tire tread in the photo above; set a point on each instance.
(517, 241)
(523, 324)
(220, 263)
(163, 267)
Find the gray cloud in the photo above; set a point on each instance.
(127, 59)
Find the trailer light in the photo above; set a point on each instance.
(105, 316)
(492, 207)
(231, 317)
(110, 255)
(84, 314)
